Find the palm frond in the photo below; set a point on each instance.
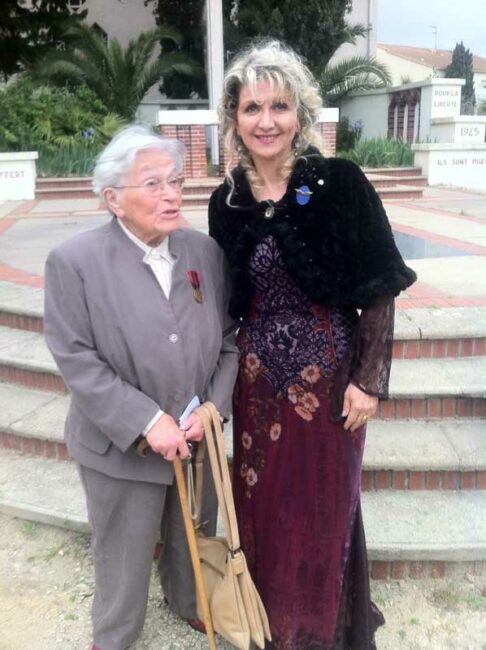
(119, 76)
(355, 73)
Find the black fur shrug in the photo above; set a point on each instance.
(339, 247)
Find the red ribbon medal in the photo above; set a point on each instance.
(195, 280)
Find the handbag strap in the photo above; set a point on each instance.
(219, 467)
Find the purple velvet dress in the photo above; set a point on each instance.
(297, 473)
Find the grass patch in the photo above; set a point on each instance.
(52, 551)
(29, 528)
(453, 599)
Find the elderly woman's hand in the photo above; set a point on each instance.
(358, 407)
(193, 428)
(167, 439)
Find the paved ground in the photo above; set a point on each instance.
(443, 235)
(46, 592)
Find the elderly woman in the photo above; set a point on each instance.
(135, 317)
(308, 243)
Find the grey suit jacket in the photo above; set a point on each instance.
(125, 350)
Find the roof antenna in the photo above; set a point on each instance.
(434, 32)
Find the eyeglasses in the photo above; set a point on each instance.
(155, 186)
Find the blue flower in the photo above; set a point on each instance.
(88, 133)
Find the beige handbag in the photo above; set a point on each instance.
(236, 609)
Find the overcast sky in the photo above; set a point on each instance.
(408, 22)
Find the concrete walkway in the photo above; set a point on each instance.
(446, 226)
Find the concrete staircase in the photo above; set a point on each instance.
(424, 474)
(390, 183)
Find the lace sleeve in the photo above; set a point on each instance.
(374, 344)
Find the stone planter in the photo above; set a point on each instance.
(17, 175)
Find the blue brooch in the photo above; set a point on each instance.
(303, 194)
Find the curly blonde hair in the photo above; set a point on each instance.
(279, 66)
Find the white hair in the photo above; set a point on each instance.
(119, 154)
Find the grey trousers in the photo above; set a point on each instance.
(126, 519)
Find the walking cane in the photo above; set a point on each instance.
(196, 564)
(142, 449)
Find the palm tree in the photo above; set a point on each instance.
(119, 77)
(356, 73)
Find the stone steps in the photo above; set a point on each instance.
(419, 333)
(404, 455)
(448, 387)
(408, 533)
(400, 192)
(390, 184)
(425, 457)
(383, 180)
(394, 171)
(25, 360)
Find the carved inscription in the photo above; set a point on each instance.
(446, 98)
(12, 174)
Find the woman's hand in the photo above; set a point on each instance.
(167, 439)
(358, 407)
(193, 428)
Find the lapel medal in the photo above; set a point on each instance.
(195, 280)
(303, 194)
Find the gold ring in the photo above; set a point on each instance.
(365, 417)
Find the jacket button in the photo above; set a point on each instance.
(173, 338)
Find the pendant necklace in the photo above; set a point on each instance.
(270, 211)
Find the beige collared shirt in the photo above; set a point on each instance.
(158, 258)
(161, 262)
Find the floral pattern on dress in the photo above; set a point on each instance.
(291, 344)
(287, 338)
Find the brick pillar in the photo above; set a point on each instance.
(194, 137)
(223, 157)
(401, 116)
(411, 119)
(328, 133)
(391, 120)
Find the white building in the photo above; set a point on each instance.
(363, 12)
(120, 19)
(411, 64)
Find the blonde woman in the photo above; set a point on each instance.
(308, 244)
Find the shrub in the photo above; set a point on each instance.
(380, 152)
(347, 136)
(66, 126)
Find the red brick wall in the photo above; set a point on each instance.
(328, 132)
(194, 137)
(409, 98)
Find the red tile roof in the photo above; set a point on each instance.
(437, 59)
